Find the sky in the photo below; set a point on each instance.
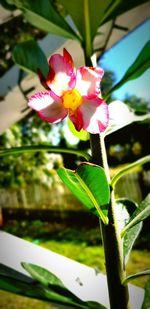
(122, 55)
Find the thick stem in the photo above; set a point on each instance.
(118, 293)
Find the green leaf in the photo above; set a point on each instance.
(42, 14)
(134, 276)
(128, 169)
(20, 287)
(83, 12)
(55, 287)
(31, 290)
(141, 213)
(45, 286)
(132, 234)
(29, 56)
(130, 205)
(53, 149)
(7, 6)
(129, 240)
(122, 7)
(82, 135)
(141, 64)
(94, 305)
(42, 275)
(89, 184)
(12, 273)
(146, 302)
(87, 17)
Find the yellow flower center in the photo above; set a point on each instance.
(72, 99)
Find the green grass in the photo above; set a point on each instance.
(90, 255)
(94, 256)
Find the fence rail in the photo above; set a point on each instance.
(134, 186)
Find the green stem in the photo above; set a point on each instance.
(129, 168)
(53, 149)
(118, 292)
(87, 22)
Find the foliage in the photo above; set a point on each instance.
(22, 55)
(139, 105)
(17, 171)
(43, 15)
(146, 302)
(83, 184)
(140, 65)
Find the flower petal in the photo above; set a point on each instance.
(77, 119)
(48, 109)
(94, 114)
(61, 76)
(88, 81)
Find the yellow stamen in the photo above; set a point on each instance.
(72, 99)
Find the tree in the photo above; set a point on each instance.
(26, 168)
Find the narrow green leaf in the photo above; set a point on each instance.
(122, 7)
(12, 273)
(141, 213)
(42, 14)
(54, 287)
(20, 287)
(87, 17)
(129, 240)
(123, 218)
(129, 169)
(30, 57)
(8, 286)
(94, 305)
(53, 149)
(134, 276)
(146, 302)
(34, 291)
(42, 275)
(45, 286)
(78, 11)
(141, 64)
(89, 184)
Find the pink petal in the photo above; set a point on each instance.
(48, 109)
(94, 113)
(61, 76)
(69, 62)
(77, 119)
(88, 81)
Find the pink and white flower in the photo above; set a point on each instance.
(73, 93)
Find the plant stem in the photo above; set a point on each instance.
(118, 293)
(111, 236)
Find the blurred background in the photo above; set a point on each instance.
(34, 203)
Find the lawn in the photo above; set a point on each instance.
(83, 253)
(94, 256)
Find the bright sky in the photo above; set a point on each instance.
(122, 55)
